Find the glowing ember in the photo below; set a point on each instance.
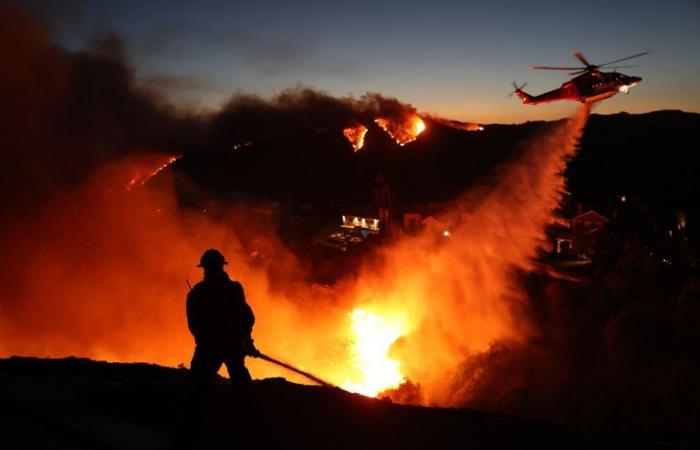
(356, 136)
(373, 337)
(404, 131)
(143, 176)
(242, 145)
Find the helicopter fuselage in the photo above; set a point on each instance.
(588, 87)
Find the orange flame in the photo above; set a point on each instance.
(373, 336)
(356, 136)
(402, 131)
(143, 173)
(458, 296)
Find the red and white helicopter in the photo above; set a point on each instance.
(591, 84)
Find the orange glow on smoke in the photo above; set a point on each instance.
(356, 136)
(113, 263)
(403, 131)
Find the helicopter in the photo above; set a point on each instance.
(590, 85)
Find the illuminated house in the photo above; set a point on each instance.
(579, 235)
(361, 223)
(354, 230)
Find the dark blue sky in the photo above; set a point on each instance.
(456, 59)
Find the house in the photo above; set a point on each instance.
(412, 222)
(588, 222)
(580, 235)
(363, 223)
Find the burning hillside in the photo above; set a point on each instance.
(100, 241)
(160, 162)
(356, 136)
(299, 110)
(403, 131)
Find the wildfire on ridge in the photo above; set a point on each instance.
(473, 127)
(356, 136)
(403, 131)
(373, 336)
(142, 176)
(456, 124)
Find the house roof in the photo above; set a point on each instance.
(591, 216)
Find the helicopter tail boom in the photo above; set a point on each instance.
(524, 96)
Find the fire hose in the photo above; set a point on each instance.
(293, 369)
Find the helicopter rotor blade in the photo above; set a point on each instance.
(588, 66)
(625, 67)
(578, 55)
(625, 59)
(555, 68)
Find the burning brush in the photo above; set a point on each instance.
(402, 131)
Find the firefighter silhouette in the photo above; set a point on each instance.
(221, 322)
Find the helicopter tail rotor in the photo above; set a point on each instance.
(518, 92)
(516, 88)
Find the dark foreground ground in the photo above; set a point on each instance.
(83, 404)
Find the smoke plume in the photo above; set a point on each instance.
(462, 292)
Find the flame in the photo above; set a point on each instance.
(373, 336)
(144, 174)
(403, 131)
(356, 136)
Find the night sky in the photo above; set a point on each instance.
(457, 59)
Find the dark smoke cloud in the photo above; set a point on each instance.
(64, 113)
(299, 110)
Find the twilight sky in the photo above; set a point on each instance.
(456, 58)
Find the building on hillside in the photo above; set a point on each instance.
(368, 224)
(580, 235)
(353, 230)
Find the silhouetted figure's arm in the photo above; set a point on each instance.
(246, 317)
(247, 320)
